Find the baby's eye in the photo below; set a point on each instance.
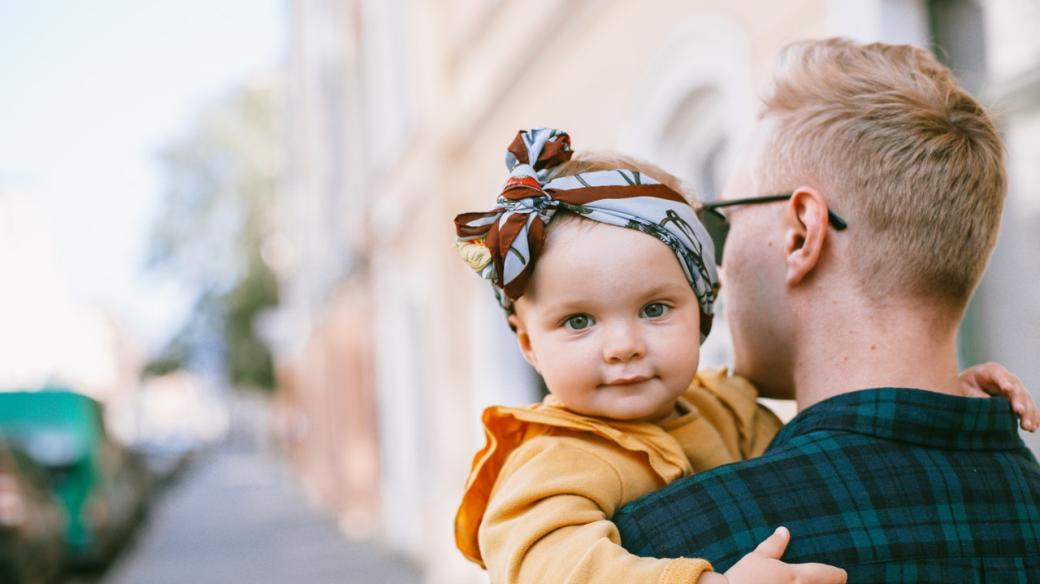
(578, 322)
(654, 310)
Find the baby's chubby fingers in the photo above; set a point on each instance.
(763, 565)
(994, 379)
(1031, 418)
(983, 380)
(775, 545)
(1022, 402)
(818, 574)
(809, 573)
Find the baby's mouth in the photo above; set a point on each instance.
(628, 380)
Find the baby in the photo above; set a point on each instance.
(609, 282)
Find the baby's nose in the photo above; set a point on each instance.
(623, 343)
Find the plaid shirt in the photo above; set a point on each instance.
(893, 485)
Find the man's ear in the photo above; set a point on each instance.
(523, 340)
(806, 231)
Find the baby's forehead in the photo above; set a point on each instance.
(566, 225)
(583, 256)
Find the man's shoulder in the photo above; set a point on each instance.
(717, 482)
(705, 506)
(848, 498)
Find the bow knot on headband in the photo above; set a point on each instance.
(502, 245)
(532, 157)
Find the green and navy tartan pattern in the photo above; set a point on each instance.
(893, 485)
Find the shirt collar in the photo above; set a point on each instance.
(916, 416)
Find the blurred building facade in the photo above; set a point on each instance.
(388, 347)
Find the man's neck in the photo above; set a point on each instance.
(852, 347)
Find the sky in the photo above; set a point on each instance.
(89, 93)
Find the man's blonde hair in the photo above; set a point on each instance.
(901, 151)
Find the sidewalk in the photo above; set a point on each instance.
(240, 517)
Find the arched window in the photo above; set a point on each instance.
(695, 138)
(695, 100)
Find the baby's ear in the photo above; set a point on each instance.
(523, 340)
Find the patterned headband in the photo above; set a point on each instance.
(503, 244)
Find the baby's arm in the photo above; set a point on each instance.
(549, 518)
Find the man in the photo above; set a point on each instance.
(888, 471)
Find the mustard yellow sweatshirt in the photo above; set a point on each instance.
(538, 501)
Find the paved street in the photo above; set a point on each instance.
(239, 516)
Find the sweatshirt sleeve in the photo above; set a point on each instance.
(548, 519)
(730, 404)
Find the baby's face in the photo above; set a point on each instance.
(610, 322)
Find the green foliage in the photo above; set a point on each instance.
(248, 358)
(172, 358)
(221, 180)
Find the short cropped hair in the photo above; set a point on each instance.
(901, 151)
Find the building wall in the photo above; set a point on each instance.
(1007, 316)
(429, 95)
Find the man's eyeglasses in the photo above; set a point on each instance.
(718, 226)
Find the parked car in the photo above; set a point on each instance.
(165, 459)
(102, 487)
(32, 520)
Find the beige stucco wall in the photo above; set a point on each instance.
(585, 67)
(432, 91)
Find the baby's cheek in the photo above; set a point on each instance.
(570, 377)
(682, 354)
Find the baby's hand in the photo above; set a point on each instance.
(993, 379)
(764, 566)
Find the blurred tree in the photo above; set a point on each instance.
(221, 179)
